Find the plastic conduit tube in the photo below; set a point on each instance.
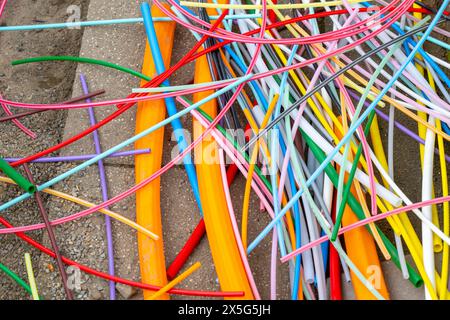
(104, 190)
(229, 266)
(148, 210)
(31, 278)
(82, 157)
(357, 209)
(196, 236)
(51, 236)
(427, 158)
(15, 277)
(76, 99)
(335, 270)
(26, 185)
(170, 102)
(95, 23)
(175, 281)
(423, 133)
(106, 276)
(18, 124)
(361, 249)
(427, 182)
(242, 252)
(187, 250)
(446, 219)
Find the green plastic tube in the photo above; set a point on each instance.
(414, 277)
(15, 277)
(81, 60)
(17, 177)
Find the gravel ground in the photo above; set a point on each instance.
(39, 83)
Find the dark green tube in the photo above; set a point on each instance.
(15, 277)
(351, 176)
(414, 277)
(81, 60)
(17, 177)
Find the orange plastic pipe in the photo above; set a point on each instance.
(361, 249)
(148, 209)
(227, 260)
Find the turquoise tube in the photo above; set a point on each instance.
(170, 102)
(96, 23)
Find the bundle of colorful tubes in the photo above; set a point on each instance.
(309, 107)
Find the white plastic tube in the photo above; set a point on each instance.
(359, 175)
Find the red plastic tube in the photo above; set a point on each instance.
(106, 276)
(186, 59)
(272, 15)
(335, 268)
(187, 250)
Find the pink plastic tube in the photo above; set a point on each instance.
(237, 236)
(17, 122)
(333, 35)
(366, 221)
(2, 6)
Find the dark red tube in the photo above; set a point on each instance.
(335, 267)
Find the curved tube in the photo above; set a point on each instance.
(148, 210)
(224, 249)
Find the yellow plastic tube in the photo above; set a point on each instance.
(88, 204)
(148, 209)
(31, 278)
(227, 260)
(176, 281)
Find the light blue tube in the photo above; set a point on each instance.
(273, 174)
(116, 148)
(422, 52)
(352, 129)
(433, 40)
(170, 102)
(96, 23)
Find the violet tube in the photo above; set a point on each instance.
(104, 187)
(399, 126)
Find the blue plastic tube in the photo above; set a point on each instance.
(170, 102)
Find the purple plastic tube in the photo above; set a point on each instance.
(399, 126)
(104, 187)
